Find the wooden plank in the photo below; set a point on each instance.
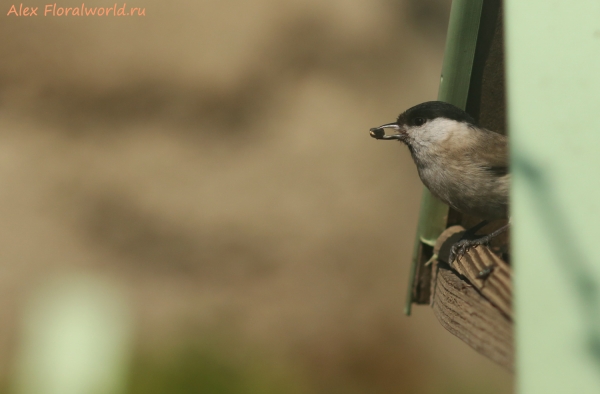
(465, 313)
(483, 269)
(473, 299)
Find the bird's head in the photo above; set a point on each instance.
(428, 124)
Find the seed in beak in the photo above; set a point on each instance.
(377, 133)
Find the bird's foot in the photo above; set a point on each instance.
(459, 249)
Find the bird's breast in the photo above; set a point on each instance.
(466, 187)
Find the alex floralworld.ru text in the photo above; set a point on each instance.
(54, 10)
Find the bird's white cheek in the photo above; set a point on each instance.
(439, 131)
(426, 136)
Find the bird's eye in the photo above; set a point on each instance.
(419, 121)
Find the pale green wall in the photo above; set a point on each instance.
(553, 71)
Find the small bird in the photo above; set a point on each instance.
(462, 164)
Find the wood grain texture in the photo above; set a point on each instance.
(495, 286)
(473, 299)
(465, 313)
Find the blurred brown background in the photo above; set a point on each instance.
(213, 160)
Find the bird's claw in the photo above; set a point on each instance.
(460, 248)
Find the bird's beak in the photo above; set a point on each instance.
(379, 134)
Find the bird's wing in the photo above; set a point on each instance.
(495, 154)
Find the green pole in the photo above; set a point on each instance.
(461, 41)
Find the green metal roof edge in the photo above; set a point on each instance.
(461, 41)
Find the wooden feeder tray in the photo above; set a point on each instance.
(473, 298)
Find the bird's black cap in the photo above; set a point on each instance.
(434, 109)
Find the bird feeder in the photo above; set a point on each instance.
(472, 298)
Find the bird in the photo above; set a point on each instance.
(462, 164)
